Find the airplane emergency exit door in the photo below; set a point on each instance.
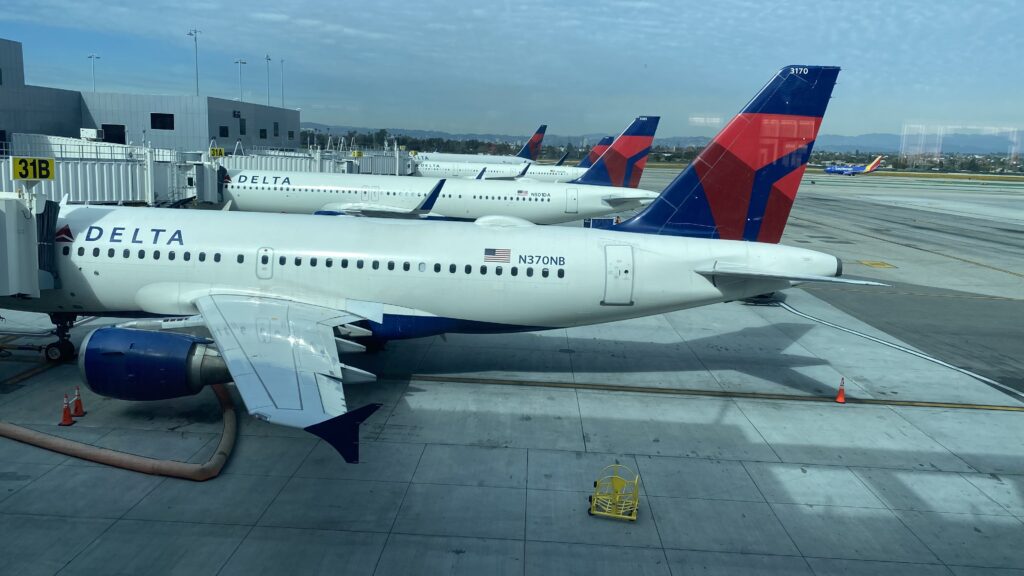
(618, 283)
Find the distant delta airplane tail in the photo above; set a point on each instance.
(595, 152)
(873, 166)
(742, 186)
(531, 150)
(623, 162)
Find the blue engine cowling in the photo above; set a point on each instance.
(148, 365)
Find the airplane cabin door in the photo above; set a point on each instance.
(265, 263)
(618, 284)
(572, 201)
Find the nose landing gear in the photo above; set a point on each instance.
(62, 350)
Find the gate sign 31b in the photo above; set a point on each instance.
(32, 168)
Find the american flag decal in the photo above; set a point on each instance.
(522, 193)
(497, 255)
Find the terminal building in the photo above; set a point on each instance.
(184, 123)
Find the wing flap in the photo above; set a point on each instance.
(740, 272)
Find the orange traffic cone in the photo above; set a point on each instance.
(77, 410)
(65, 417)
(841, 395)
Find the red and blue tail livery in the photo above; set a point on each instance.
(595, 152)
(622, 164)
(742, 185)
(531, 150)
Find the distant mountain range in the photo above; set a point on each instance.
(884, 143)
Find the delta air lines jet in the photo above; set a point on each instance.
(282, 296)
(528, 153)
(606, 187)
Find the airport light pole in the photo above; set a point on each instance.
(268, 59)
(240, 63)
(94, 58)
(282, 82)
(195, 42)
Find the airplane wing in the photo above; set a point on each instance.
(283, 356)
(377, 210)
(740, 272)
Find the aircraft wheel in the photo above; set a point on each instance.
(59, 352)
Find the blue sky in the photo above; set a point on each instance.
(581, 67)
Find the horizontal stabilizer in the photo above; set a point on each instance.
(740, 272)
(640, 197)
(342, 432)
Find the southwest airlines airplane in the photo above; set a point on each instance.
(637, 139)
(528, 153)
(606, 187)
(853, 170)
(281, 296)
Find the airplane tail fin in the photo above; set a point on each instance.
(531, 150)
(623, 162)
(873, 166)
(742, 185)
(595, 152)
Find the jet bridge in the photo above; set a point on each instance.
(28, 257)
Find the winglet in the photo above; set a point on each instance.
(562, 159)
(531, 150)
(480, 176)
(428, 203)
(523, 171)
(342, 432)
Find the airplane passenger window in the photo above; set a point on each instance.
(170, 255)
(95, 252)
(312, 262)
(202, 256)
(156, 254)
(423, 267)
(264, 259)
(329, 262)
(240, 258)
(66, 250)
(452, 268)
(187, 256)
(514, 271)
(344, 262)
(216, 256)
(529, 272)
(359, 264)
(298, 261)
(391, 265)
(405, 266)
(110, 253)
(282, 260)
(561, 273)
(126, 253)
(376, 264)
(437, 267)
(544, 272)
(497, 270)
(469, 269)
(483, 270)
(81, 251)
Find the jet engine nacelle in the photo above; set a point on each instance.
(149, 365)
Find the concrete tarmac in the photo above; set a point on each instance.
(481, 460)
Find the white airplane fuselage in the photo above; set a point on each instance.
(537, 172)
(474, 158)
(537, 202)
(421, 278)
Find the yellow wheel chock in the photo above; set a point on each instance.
(616, 493)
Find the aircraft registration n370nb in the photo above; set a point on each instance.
(281, 295)
(608, 186)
